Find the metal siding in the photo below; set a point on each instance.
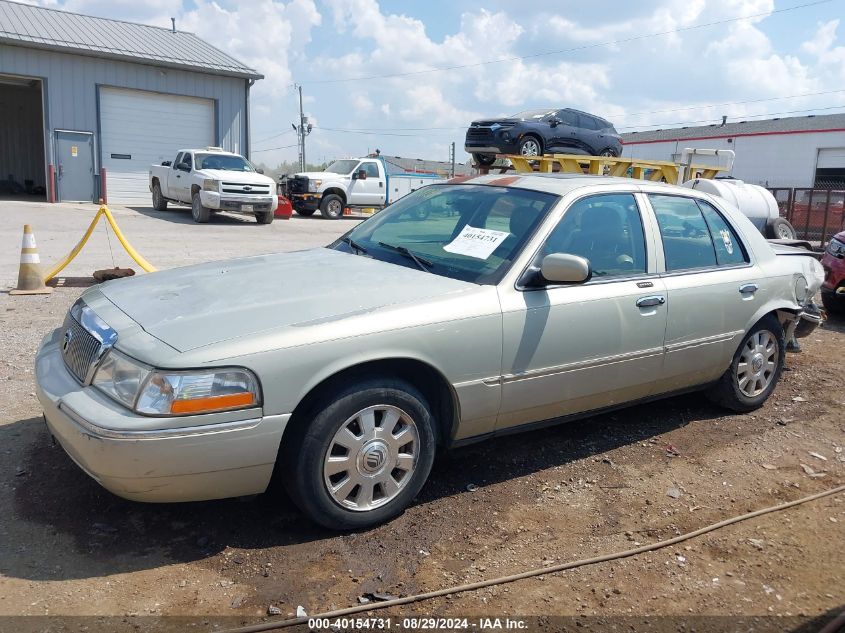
(776, 160)
(72, 80)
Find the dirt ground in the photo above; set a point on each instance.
(604, 484)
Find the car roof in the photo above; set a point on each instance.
(561, 184)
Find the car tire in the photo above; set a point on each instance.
(833, 303)
(484, 160)
(530, 146)
(159, 201)
(327, 479)
(780, 229)
(305, 213)
(745, 387)
(608, 152)
(331, 206)
(199, 212)
(264, 218)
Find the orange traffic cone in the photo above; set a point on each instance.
(30, 279)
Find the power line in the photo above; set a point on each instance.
(270, 138)
(270, 149)
(573, 49)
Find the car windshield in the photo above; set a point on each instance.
(342, 166)
(225, 162)
(533, 114)
(467, 232)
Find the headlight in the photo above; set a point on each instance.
(165, 392)
(120, 377)
(210, 185)
(187, 393)
(314, 185)
(836, 248)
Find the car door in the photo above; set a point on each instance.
(713, 289)
(562, 137)
(182, 179)
(574, 348)
(370, 190)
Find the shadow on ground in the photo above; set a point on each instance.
(182, 215)
(110, 535)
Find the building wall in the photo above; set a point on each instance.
(21, 144)
(772, 160)
(71, 81)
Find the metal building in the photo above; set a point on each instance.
(807, 151)
(87, 104)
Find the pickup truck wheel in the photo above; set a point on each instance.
(305, 213)
(264, 218)
(484, 159)
(780, 229)
(199, 212)
(331, 206)
(755, 368)
(159, 202)
(363, 456)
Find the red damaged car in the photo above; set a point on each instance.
(833, 288)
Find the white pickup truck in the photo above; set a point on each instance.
(351, 183)
(212, 180)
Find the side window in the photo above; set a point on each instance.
(188, 160)
(605, 229)
(729, 250)
(568, 118)
(686, 236)
(178, 160)
(371, 169)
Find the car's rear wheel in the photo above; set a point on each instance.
(755, 368)
(484, 160)
(331, 206)
(199, 212)
(159, 201)
(306, 213)
(362, 456)
(530, 146)
(609, 152)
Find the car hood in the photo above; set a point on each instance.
(243, 177)
(321, 175)
(201, 305)
(500, 121)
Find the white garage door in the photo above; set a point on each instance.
(139, 129)
(831, 158)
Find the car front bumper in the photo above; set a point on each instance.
(235, 204)
(155, 459)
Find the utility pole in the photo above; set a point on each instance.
(302, 130)
(452, 157)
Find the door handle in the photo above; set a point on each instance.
(380, 185)
(647, 302)
(748, 289)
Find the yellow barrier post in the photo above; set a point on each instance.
(102, 212)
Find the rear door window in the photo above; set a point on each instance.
(729, 250)
(371, 169)
(686, 236)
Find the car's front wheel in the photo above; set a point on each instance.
(199, 212)
(755, 368)
(362, 456)
(264, 218)
(331, 206)
(608, 153)
(485, 160)
(530, 146)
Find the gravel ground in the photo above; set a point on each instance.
(604, 484)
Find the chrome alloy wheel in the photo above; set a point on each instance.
(530, 148)
(335, 207)
(371, 457)
(757, 363)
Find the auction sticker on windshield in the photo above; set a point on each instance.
(478, 243)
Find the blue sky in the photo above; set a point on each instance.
(767, 55)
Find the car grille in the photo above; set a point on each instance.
(297, 184)
(245, 188)
(80, 349)
(479, 134)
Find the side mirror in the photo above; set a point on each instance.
(561, 268)
(183, 167)
(259, 171)
(166, 163)
(555, 122)
(362, 174)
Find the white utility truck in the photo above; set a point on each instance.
(212, 180)
(361, 185)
